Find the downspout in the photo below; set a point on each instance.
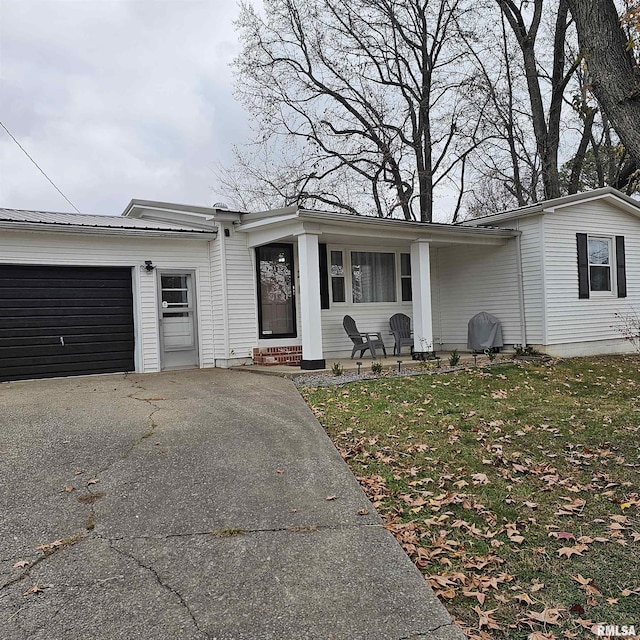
(520, 276)
(225, 298)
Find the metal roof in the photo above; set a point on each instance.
(94, 221)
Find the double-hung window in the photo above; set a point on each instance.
(373, 276)
(601, 266)
(600, 254)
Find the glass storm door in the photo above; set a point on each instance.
(178, 340)
(276, 298)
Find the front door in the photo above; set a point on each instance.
(178, 339)
(276, 299)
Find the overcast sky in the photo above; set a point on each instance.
(116, 99)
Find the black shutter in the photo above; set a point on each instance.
(583, 266)
(621, 275)
(324, 276)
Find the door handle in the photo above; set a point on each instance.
(62, 341)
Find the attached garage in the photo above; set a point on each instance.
(65, 320)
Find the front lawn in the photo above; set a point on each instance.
(515, 489)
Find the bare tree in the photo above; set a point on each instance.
(546, 118)
(368, 90)
(614, 69)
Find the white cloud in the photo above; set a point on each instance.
(115, 99)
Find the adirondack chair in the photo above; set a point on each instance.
(363, 341)
(401, 329)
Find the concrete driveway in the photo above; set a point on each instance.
(190, 505)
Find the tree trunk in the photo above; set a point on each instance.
(616, 80)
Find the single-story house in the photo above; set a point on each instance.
(166, 286)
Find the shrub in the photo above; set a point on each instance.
(376, 367)
(336, 369)
(454, 358)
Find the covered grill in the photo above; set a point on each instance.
(485, 332)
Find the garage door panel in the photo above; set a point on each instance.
(84, 335)
(33, 319)
(71, 349)
(59, 294)
(60, 370)
(66, 305)
(89, 308)
(32, 358)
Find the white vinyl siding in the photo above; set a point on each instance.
(241, 296)
(532, 249)
(371, 317)
(471, 279)
(59, 248)
(569, 318)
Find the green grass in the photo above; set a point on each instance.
(477, 472)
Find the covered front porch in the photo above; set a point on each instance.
(315, 268)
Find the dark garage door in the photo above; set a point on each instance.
(64, 321)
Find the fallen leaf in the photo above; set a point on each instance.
(69, 489)
(571, 551)
(35, 589)
(481, 597)
(486, 619)
(563, 535)
(523, 597)
(279, 470)
(91, 481)
(331, 498)
(363, 512)
(546, 616)
(21, 564)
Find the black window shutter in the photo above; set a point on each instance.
(621, 275)
(583, 266)
(324, 276)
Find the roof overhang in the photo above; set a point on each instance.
(106, 231)
(286, 224)
(191, 215)
(608, 194)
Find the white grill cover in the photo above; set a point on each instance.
(485, 332)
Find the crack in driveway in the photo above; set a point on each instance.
(165, 586)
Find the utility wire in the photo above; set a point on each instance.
(38, 167)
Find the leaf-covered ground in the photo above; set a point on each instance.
(515, 489)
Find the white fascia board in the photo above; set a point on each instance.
(265, 234)
(107, 231)
(632, 207)
(615, 197)
(259, 223)
(404, 230)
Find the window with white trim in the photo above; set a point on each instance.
(373, 276)
(600, 254)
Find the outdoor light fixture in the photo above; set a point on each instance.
(399, 365)
(281, 257)
(359, 365)
(148, 265)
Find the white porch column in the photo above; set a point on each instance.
(310, 313)
(421, 294)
